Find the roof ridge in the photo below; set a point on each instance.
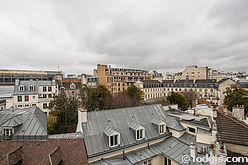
(236, 121)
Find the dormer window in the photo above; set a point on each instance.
(72, 86)
(31, 88)
(161, 129)
(113, 136)
(140, 134)
(160, 125)
(138, 130)
(7, 133)
(21, 88)
(113, 140)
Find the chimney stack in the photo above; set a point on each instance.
(192, 150)
(82, 118)
(17, 82)
(239, 112)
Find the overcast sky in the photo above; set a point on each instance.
(146, 34)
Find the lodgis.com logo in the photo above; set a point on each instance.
(206, 159)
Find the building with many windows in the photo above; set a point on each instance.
(211, 90)
(119, 79)
(195, 72)
(34, 93)
(71, 87)
(8, 77)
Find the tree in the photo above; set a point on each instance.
(64, 112)
(122, 100)
(190, 96)
(235, 95)
(96, 98)
(135, 92)
(178, 98)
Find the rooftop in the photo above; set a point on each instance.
(29, 123)
(231, 130)
(119, 120)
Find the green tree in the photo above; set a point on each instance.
(96, 98)
(235, 95)
(135, 92)
(178, 98)
(64, 110)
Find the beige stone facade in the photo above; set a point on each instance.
(194, 72)
(211, 90)
(119, 79)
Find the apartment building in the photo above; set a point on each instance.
(71, 87)
(88, 80)
(145, 135)
(195, 72)
(34, 93)
(211, 90)
(119, 79)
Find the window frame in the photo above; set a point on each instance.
(115, 141)
(140, 134)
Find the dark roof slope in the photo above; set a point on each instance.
(150, 81)
(231, 130)
(73, 151)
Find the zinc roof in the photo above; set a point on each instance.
(96, 142)
(30, 123)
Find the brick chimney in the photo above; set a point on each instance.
(82, 118)
(239, 112)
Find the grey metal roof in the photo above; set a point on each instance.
(109, 130)
(77, 135)
(156, 121)
(187, 138)
(34, 83)
(133, 125)
(96, 142)
(29, 123)
(171, 147)
(5, 90)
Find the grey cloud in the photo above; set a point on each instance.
(166, 35)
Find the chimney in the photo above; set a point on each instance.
(192, 150)
(239, 112)
(82, 118)
(17, 82)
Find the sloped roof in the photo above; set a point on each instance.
(34, 83)
(231, 130)
(30, 123)
(93, 131)
(73, 151)
(171, 147)
(150, 81)
(187, 138)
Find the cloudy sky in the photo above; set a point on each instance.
(147, 34)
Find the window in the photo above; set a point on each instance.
(21, 88)
(44, 89)
(139, 134)
(161, 129)
(44, 96)
(33, 97)
(167, 161)
(45, 105)
(19, 98)
(192, 130)
(50, 95)
(31, 87)
(113, 140)
(49, 89)
(148, 162)
(33, 104)
(26, 98)
(8, 132)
